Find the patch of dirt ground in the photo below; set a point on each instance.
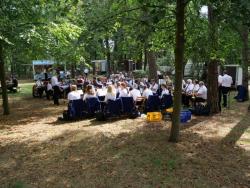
(38, 151)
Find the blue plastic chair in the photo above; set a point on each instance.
(101, 98)
(128, 105)
(114, 107)
(153, 104)
(76, 109)
(93, 105)
(166, 101)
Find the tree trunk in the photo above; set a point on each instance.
(152, 67)
(245, 58)
(212, 79)
(73, 70)
(213, 96)
(179, 57)
(108, 54)
(6, 110)
(145, 59)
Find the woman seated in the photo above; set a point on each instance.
(135, 93)
(123, 90)
(110, 95)
(74, 94)
(147, 92)
(90, 93)
(165, 90)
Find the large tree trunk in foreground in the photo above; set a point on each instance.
(6, 110)
(179, 57)
(213, 95)
(245, 58)
(152, 67)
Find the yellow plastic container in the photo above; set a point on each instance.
(154, 116)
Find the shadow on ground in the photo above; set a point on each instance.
(142, 158)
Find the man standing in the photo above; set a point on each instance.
(55, 86)
(86, 72)
(225, 86)
(220, 89)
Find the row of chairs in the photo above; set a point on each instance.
(124, 106)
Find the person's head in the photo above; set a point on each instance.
(224, 72)
(73, 88)
(123, 85)
(152, 81)
(90, 90)
(163, 86)
(201, 83)
(196, 81)
(146, 86)
(189, 81)
(110, 89)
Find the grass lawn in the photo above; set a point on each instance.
(38, 151)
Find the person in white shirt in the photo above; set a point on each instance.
(123, 91)
(220, 89)
(135, 93)
(74, 94)
(201, 95)
(86, 72)
(196, 86)
(165, 91)
(90, 93)
(55, 84)
(39, 87)
(101, 92)
(187, 92)
(147, 92)
(226, 84)
(154, 86)
(111, 94)
(49, 91)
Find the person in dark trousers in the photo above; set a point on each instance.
(56, 89)
(219, 90)
(226, 86)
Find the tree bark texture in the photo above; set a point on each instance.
(6, 110)
(179, 57)
(152, 67)
(145, 59)
(212, 79)
(245, 57)
(213, 95)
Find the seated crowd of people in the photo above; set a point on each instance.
(120, 86)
